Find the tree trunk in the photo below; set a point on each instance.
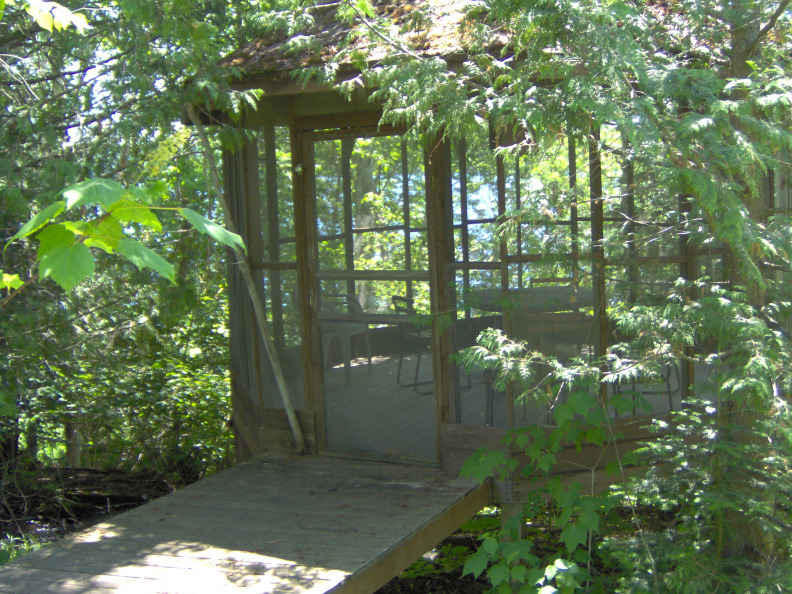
(740, 536)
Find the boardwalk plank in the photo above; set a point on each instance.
(302, 525)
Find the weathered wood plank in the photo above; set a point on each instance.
(395, 560)
(275, 433)
(307, 284)
(288, 524)
(593, 481)
(334, 124)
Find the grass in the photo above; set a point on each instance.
(12, 547)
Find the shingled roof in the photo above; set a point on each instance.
(430, 28)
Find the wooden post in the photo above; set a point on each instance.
(573, 209)
(518, 208)
(597, 248)
(464, 231)
(687, 268)
(632, 251)
(347, 147)
(405, 173)
(500, 168)
(255, 290)
(273, 231)
(438, 203)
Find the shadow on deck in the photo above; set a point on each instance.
(310, 524)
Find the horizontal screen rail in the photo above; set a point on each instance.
(368, 275)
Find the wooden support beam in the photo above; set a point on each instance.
(464, 230)
(390, 564)
(500, 168)
(628, 206)
(371, 275)
(256, 290)
(438, 217)
(347, 146)
(303, 182)
(329, 126)
(573, 208)
(274, 266)
(405, 174)
(597, 248)
(518, 207)
(688, 270)
(273, 231)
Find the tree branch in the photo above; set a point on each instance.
(770, 24)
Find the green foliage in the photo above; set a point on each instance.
(488, 463)
(10, 281)
(94, 192)
(64, 253)
(692, 100)
(13, 547)
(94, 114)
(143, 257)
(67, 265)
(204, 225)
(49, 15)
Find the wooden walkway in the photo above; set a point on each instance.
(294, 525)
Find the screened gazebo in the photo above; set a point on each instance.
(384, 255)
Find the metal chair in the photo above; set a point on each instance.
(412, 340)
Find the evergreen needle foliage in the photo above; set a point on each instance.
(699, 94)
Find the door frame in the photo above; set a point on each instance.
(304, 132)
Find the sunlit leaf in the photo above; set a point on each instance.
(10, 281)
(128, 211)
(143, 257)
(51, 15)
(214, 230)
(52, 237)
(105, 234)
(98, 191)
(67, 265)
(38, 221)
(76, 227)
(149, 194)
(365, 7)
(44, 20)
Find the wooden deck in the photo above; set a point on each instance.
(294, 525)
(371, 413)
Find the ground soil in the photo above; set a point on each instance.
(444, 583)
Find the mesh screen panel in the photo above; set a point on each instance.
(377, 366)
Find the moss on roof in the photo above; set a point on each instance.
(428, 27)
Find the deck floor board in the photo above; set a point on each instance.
(302, 525)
